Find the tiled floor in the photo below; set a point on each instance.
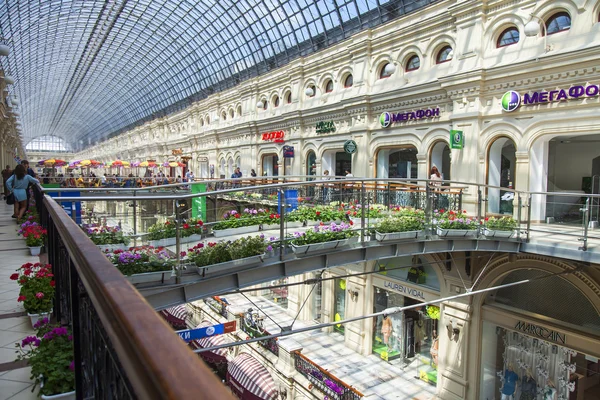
(14, 384)
(370, 375)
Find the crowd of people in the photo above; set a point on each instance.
(16, 186)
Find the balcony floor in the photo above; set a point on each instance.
(14, 323)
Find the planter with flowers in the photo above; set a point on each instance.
(108, 238)
(322, 237)
(373, 213)
(503, 227)
(34, 235)
(235, 223)
(50, 355)
(219, 256)
(454, 224)
(37, 289)
(409, 224)
(144, 264)
(164, 234)
(293, 219)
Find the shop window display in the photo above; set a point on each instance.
(515, 366)
(410, 269)
(339, 307)
(317, 298)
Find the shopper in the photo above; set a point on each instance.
(18, 184)
(6, 173)
(253, 173)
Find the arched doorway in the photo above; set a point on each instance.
(501, 172)
(229, 166)
(440, 157)
(311, 163)
(397, 162)
(222, 171)
(270, 164)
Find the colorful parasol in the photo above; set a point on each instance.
(148, 164)
(51, 162)
(89, 163)
(74, 164)
(119, 163)
(173, 164)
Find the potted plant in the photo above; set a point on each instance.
(322, 237)
(165, 233)
(373, 213)
(235, 223)
(37, 289)
(247, 251)
(51, 358)
(454, 223)
(107, 237)
(143, 264)
(503, 227)
(410, 225)
(34, 235)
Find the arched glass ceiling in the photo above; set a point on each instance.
(48, 143)
(87, 69)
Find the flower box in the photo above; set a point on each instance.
(245, 262)
(236, 231)
(455, 232)
(191, 239)
(35, 250)
(35, 317)
(370, 221)
(498, 234)
(151, 277)
(61, 396)
(318, 247)
(173, 241)
(295, 224)
(386, 237)
(269, 227)
(112, 247)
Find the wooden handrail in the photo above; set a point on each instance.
(325, 372)
(156, 362)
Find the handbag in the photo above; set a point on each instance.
(10, 199)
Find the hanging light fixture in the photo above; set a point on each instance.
(14, 101)
(4, 50)
(9, 79)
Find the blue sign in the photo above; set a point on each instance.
(70, 207)
(200, 333)
(290, 198)
(288, 151)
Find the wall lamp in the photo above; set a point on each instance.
(533, 28)
(453, 329)
(389, 69)
(310, 90)
(261, 104)
(353, 295)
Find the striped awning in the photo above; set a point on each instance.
(250, 380)
(216, 356)
(176, 316)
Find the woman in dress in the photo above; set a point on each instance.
(18, 184)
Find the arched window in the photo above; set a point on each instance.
(201, 121)
(239, 111)
(329, 86)
(508, 36)
(265, 104)
(223, 115)
(288, 98)
(413, 64)
(207, 120)
(385, 71)
(558, 22)
(231, 114)
(349, 81)
(444, 55)
(48, 143)
(312, 91)
(276, 101)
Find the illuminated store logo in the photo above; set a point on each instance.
(276, 137)
(512, 100)
(386, 118)
(541, 332)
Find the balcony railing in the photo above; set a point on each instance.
(123, 349)
(323, 380)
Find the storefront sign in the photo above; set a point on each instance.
(387, 118)
(350, 146)
(457, 139)
(288, 151)
(541, 332)
(512, 100)
(177, 152)
(275, 137)
(325, 127)
(405, 290)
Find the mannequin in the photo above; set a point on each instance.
(528, 387)
(386, 330)
(511, 381)
(550, 390)
(434, 349)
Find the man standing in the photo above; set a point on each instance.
(6, 173)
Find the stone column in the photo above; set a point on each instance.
(422, 172)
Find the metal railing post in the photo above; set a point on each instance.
(519, 205)
(362, 212)
(134, 214)
(282, 206)
(460, 198)
(586, 221)
(428, 215)
(529, 200)
(76, 325)
(479, 207)
(177, 239)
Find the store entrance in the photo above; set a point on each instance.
(270, 165)
(343, 163)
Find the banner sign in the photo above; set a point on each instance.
(325, 127)
(457, 139)
(387, 118)
(350, 146)
(200, 333)
(275, 137)
(512, 100)
(199, 203)
(288, 151)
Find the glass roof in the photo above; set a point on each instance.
(87, 69)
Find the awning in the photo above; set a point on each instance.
(250, 380)
(217, 356)
(176, 316)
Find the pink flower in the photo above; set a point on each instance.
(14, 276)
(39, 295)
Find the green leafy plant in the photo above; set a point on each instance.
(433, 312)
(248, 217)
(141, 260)
(37, 287)
(501, 224)
(400, 224)
(50, 356)
(323, 233)
(107, 235)
(223, 251)
(355, 210)
(454, 220)
(162, 230)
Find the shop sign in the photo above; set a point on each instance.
(325, 127)
(350, 146)
(288, 151)
(177, 152)
(541, 332)
(275, 137)
(203, 159)
(457, 139)
(412, 292)
(387, 118)
(512, 100)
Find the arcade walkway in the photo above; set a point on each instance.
(14, 323)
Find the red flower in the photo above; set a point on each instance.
(182, 254)
(39, 295)
(237, 215)
(186, 226)
(21, 298)
(27, 272)
(199, 223)
(14, 277)
(318, 213)
(52, 283)
(351, 223)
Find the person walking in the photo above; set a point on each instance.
(31, 173)
(6, 173)
(18, 184)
